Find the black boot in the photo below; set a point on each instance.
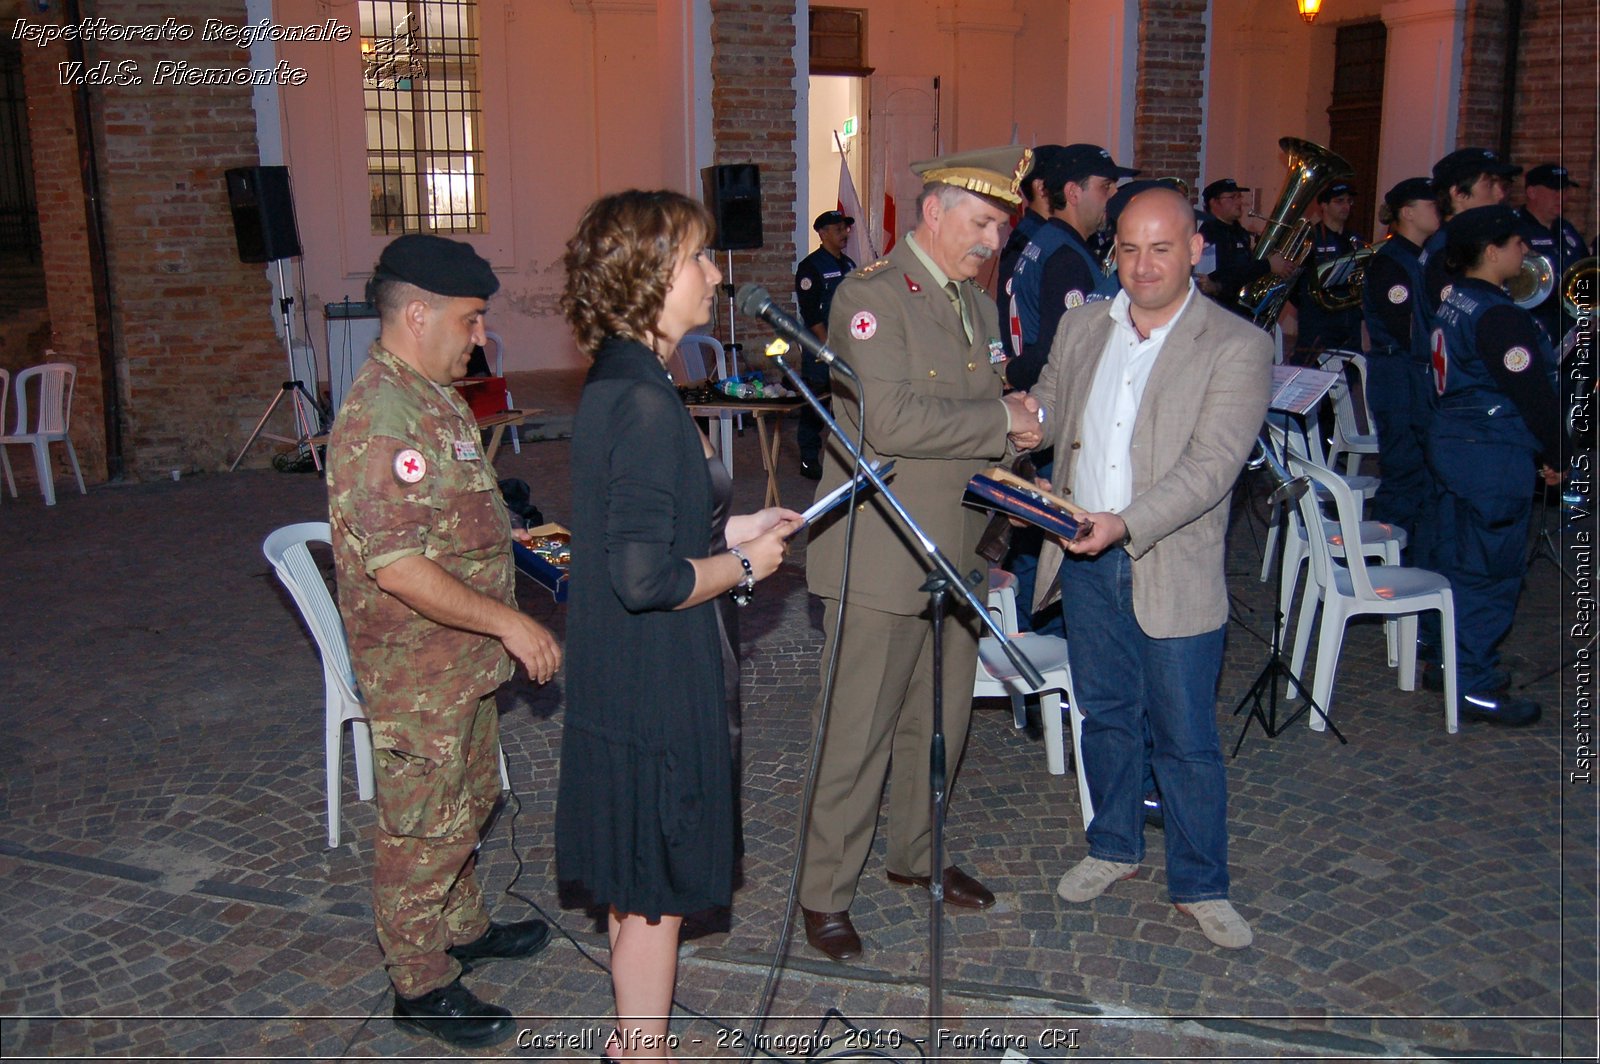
(454, 1014)
(522, 939)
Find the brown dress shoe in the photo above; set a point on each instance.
(833, 934)
(960, 889)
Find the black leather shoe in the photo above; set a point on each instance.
(454, 1014)
(1499, 707)
(522, 939)
(832, 934)
(960, 889)
(810, 470)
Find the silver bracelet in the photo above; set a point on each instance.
(744, 590)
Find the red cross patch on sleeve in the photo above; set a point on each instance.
(410, 466)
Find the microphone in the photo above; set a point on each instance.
(756, 302)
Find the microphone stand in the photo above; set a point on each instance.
(943, 581)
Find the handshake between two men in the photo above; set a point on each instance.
(1027, 433)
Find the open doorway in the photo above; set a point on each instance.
(837, 134)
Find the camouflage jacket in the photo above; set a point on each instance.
(406, 476)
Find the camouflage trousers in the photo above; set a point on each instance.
(437, 779)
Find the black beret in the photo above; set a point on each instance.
(435, 264)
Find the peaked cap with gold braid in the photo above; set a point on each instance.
(995, 173)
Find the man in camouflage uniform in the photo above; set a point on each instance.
(422, 544)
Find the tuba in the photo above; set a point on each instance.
(1311, 168)
(1533, 283)
(1577, 287)
(1339, 280)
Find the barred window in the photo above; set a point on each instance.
(424, 149)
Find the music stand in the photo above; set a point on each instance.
(1296, 391)
(302, 400)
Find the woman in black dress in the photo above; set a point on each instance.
(645, 815)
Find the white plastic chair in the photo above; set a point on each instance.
(998, 678)
(500, 371)
(1288, 436)
(1350, 411)
(289, 552)
(1380, 541)
(697, 356)
(50, 426)
(1352, 589)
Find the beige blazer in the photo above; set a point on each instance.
(932, 400)
(1202, 409)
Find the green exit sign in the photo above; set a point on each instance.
(849, 127)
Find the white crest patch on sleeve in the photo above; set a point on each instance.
(410, 466)
(1398, 293)
(805, 284)
(1074, 299)
(1517, 359)
(863, 326)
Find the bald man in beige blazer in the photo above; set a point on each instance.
(1153, 401)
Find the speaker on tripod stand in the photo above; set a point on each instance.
(732, 193)
(264, 228)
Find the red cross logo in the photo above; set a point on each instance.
(863, 326)
(410, 466)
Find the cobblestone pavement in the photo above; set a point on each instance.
(167, 892)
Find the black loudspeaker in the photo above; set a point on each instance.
(263, 213)
(733, 195)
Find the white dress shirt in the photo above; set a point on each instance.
(1104, 472)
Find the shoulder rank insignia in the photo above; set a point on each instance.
(873, 267)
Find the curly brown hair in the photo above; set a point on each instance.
(620, 262)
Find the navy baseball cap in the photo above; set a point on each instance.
(1218, 188)
(1484, 225)
(1080, 161)
(1338, 188)
(1550, 175)
(1410, 190)
(832, 218)
(1466, 162)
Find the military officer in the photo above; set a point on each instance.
(818, 274)
(422, 544)
(1498, 421)
(924, 341)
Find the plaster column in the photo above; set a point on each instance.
(1102, 70)
(1421, 86)
(683, 29)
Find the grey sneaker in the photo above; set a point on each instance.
(1220, 921)
(1089, 878)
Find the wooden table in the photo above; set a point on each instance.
(770, 438)
(495, 423)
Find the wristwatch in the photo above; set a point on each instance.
(745, 589)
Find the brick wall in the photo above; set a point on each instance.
(194, 339)
(1483, 67)
(1556, 98)
(753, 121)
(63, 232)
(1166, 118)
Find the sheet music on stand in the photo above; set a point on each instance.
(1298, 389)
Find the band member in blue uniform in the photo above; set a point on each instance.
(1321, 329)
(1400, 393)
(1222, 204)
(1499, 421)
(818, 274)
(1462, 180)
(1551, 235)
(1057, 270)
(1035, 211)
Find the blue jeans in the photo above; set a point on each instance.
(1125, 681)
